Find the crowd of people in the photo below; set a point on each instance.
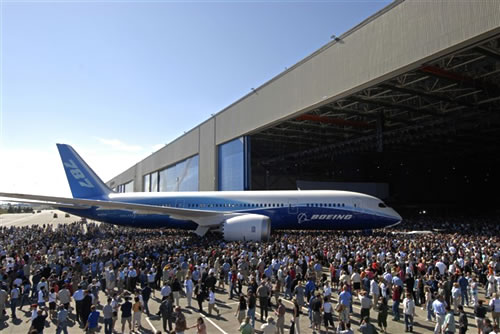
(315, 279)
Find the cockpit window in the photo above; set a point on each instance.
(382, 205)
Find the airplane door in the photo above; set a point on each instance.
(292, 206)
(179, 203)
(358, 205)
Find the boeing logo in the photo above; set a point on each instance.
(302, 217)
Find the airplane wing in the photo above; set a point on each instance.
(201, 217)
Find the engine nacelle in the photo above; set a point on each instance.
(247, 227)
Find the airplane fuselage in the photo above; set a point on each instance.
(293, 210)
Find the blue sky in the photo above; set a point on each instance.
(118, 79)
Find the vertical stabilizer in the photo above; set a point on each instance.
(84, 183)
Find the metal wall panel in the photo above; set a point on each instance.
(399, 40)
(208, 161)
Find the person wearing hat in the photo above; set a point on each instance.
(34, 312)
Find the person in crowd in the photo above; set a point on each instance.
(439, 309)
(107, 313)
(211, 302)
(494, 305)
(367, 327)
(480, 314)
(246, 327)
(200, 326)
(241, 311)
(92, 325)
(38, 322)
(251, 305)
(280, 316)
(366, 304)
(167, 312)
(269, 327)
(263, 294)
(409, 312)
(463, 322)
(62, 319)
(137, 313)
(180, 321)
(449, 321)
(382, 315)
(126, 314)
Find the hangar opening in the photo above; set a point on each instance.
(431, 134)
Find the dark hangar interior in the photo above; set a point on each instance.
(432, 134)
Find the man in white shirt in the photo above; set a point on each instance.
(495, 309)
(165, 291)
(328, 313)
(269, 327)
(356, 281)
(188, 287)
(374, 291)
(34, 313)
(366, 304)
(211, 303)
(41, 296)
(409, 312)
(442, 267)
(78, 296)
(327, 290)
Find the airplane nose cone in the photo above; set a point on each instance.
(396, 216)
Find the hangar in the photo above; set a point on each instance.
(409, 98)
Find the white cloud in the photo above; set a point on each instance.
(40, 171)
(119, 145)
(33, 172)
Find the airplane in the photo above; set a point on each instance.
(238, 215)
